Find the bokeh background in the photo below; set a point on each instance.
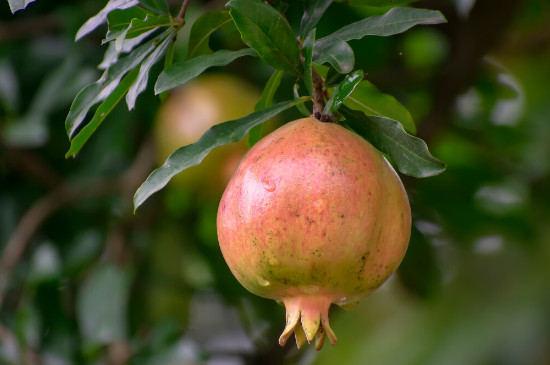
(85, 281)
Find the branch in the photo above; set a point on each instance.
(38, 212)
(471, 40)
(29, 27)
(183, 10)
(214, 5)
(125, 183)
(31, 165)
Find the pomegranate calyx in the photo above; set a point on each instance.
(307, 318)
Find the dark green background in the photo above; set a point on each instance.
(98, 285)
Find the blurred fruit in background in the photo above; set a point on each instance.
(184, 116)
(188, 113)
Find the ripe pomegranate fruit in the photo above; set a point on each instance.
(313, 215)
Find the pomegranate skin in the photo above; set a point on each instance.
(313, 215)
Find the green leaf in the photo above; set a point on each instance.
(201, 30)
(336, 52)
(266, 100)
(255, 134)
(111, 54)
(131, 23)
(101, 305)
(99, 90)
(110, 57)
(409, 153)
(301, 107)
(168, 62)
(332, 77)
(119, 22)
(180, 73)
(141, 82)
(45, 264)
(344, 89)
(265, 30)
(169, 59)
(371, 101)
(82, 251)
(312, 14)
(54, 92)
(150, 22)
(101, 113)
(101, 17)
(193, 154)
(120, 19)
(16, 5)
(158, 6)
(307, 51)
(59, 87)
(379, 2)
(132, 85)
(396, 20)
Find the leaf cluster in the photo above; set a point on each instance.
(141, 33)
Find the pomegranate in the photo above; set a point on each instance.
(313, 215)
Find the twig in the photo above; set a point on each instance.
(214, 5)
(118, 353)
(37, 213)
(183, 9)
(67, 193)
(30, 27)
(470, 42)
(31, 165)
(318, 98)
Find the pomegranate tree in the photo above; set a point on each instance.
(313, 215)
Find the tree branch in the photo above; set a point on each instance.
(29, 27)
(126, 183)
(183, 10)
(471, 41)
(31, 165)
(38, 212)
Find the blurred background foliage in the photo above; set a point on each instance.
(84, 281)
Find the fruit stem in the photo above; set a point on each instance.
(318, 97)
